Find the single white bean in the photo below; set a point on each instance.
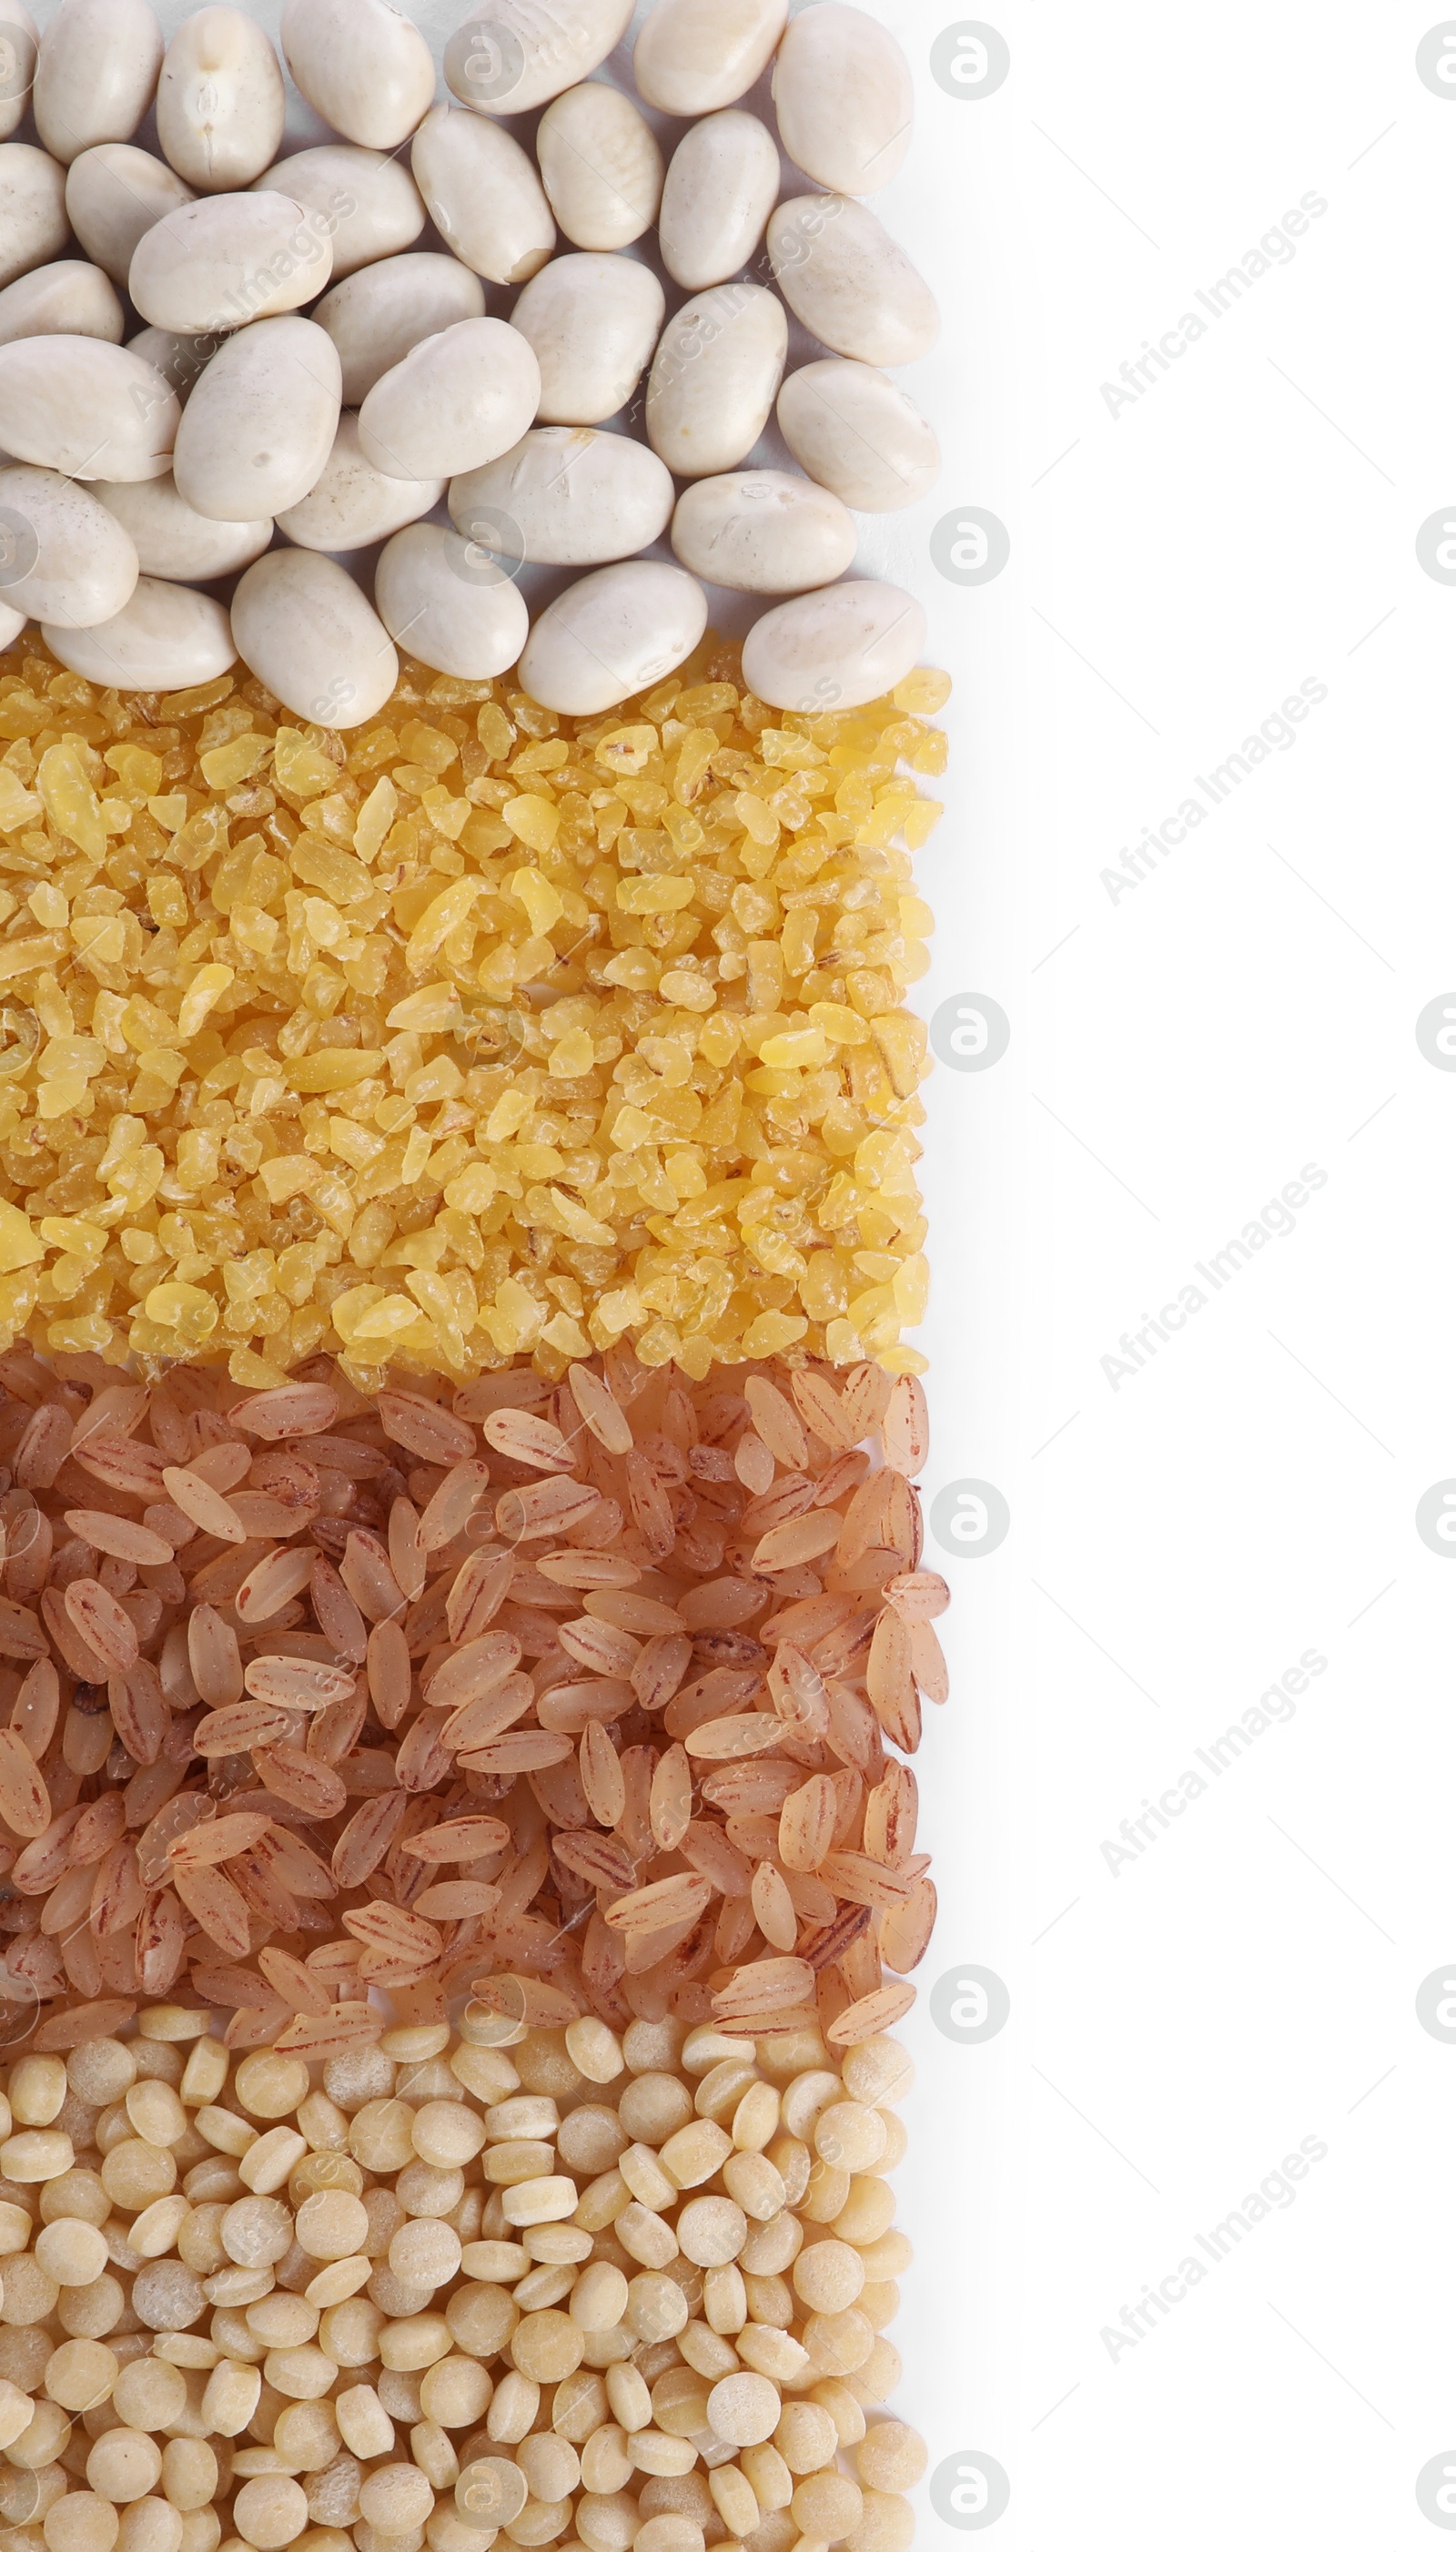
(834, 650)
(592, 322)
(20, 42)
(364, 64)
(483, 194)
(450, 605)
(455, 403)
(722, 185)
(850, 282)
(70, 299)
(612, 634)
(260, 423)
(173, 539)
(167, 639)
(86, 408)
(12, 622)
(354, 503)
(115, 194)
(95, 73)
(843, 97)
(714, 378)
(600, 166)
(694, 55)
(373, 204)
(229, 259)
(380, 314)
(763, 531)
(852, 429)
(302, 626)
(566, 496)
(220, 101)
(512, 54)
(34, 227)
(181, 361)
(65, 559)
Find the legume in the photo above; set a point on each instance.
(238, 401)
(500, 2366)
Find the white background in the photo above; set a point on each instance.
(1176, 1056)
(1179, 2025)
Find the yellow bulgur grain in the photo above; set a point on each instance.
(476, 1033)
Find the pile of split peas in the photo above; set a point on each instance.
(617, 2292)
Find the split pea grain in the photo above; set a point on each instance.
(449, 2351)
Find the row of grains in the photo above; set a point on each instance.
(479, 1032)
(616, 2289)
(651, 1650)
(142, 471)
(589, 1702)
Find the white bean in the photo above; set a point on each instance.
(763, 531)
(593, 322)
(722, 185)
(303, 627)
(512, 54)
(70, 299)
(230, 414)
(220, 102)
(260, 423)
(12, 622)
(450, 605)
(834, 650)
(114, 195)
(181, 361)
(853, 430)
(455, 403)
(173, 539)
(612, 634)
(33, 220)
(95, 73)
(850, 282)
(484, 198)
(354, 503)
(714, 378)
(86, 408)
(600, 166)
(694, 55)
(228, 260)
(18, 44)
(380, 313)
(371, 203)
(364, 64)
(167, 639)
(843, 97)
(66, 560)
(564, 497)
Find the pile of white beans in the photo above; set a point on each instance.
(169, 418)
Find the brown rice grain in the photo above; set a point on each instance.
(202, 1505)
(25, 1802)
(119, 1537)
